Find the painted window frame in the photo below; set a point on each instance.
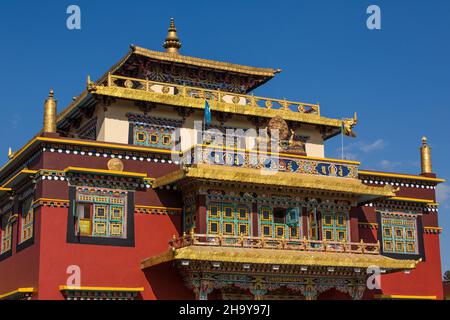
(6, 235)
(160, 132)
(398, 245)
(313, 222)
(26, 204)
(74, 234)
(189, 217)
(334, 227)
(222, 220)
(279, 230)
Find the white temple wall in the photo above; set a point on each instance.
(113, 126)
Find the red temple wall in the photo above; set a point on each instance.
(43, 265)
(21, 269)
(425, 280)
(109, 266)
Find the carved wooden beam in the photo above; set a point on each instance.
(145, 106)
(184, 112)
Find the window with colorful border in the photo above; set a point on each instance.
(189, 217)
(313, 224)
(101, 216)
(399, 234)
(226, 218)
(278, 222)
(335, 226)
(6, 234)
(161, 137)
(26, 220)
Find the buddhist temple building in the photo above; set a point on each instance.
(167, 178)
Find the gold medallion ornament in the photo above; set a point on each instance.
(128, 84)
(165, 89)
(115, 164)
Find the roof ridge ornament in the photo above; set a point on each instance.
(348, 124)
(50, 113)
(11, 154)
(425, 157)
(172, 44)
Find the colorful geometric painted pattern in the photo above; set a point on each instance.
(108, 211)
(160, 137)
(6, 230)
(26, 225)
(399, 234)
(286, 226)
(189, 217)
(228, 218)
(335, 226)
(281, 163)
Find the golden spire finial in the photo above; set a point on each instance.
(425, 156)
(172, 43)
(50, 113)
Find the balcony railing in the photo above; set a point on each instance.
(225, 156)
(274, 243)
(212, 95)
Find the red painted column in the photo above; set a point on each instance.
(354, 227)
(304, 217)
(201, 214)
(255, 224)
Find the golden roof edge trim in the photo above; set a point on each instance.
(399, 175)
(207, 63)
(209, 172)
(272, 256)
(190, 102)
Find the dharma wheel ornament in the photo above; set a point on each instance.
(115, 164)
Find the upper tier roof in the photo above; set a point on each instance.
(179, 69)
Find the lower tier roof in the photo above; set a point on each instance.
(278, 179)
(278, 257)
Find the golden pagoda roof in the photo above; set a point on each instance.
(277, 179)
(204, 63)
(278, 257)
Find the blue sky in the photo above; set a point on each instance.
(396, 78)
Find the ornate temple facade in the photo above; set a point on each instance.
(128, 193)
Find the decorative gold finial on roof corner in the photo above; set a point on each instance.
(172, 44)
(348, 125)
(425, 157)
(11, 154)
(50, 113)
(90, 86)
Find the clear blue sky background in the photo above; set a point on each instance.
(397, 78)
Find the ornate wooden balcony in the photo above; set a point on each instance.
(256, 254)
(211, 95)
(304, 244)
